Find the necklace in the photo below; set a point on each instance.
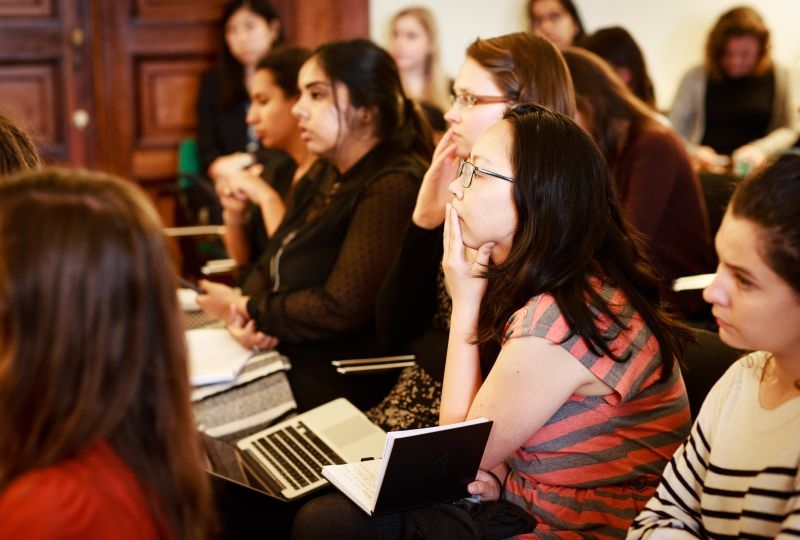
(768, 374)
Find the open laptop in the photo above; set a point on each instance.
(286, 459)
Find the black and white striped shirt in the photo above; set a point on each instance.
(737, 474)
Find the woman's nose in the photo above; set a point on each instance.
(715, 293)
(456, 188)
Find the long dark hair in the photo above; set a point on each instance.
(616, 46)
(770, 199)
(570, 231)
(371, 77)
(604, 99)
(233, 88)
(91, 340)
(284, 63)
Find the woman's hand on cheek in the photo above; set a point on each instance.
(434, 191)
(464, 278)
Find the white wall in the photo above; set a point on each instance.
(671, 34)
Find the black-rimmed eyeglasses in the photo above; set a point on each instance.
(466, 172)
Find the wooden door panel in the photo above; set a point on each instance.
(27, 8)
(157, 50)
(29, 97)
(45, 75)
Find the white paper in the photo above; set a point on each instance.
(692, 283)
(214, 356)
(357, 480)
(187, 299)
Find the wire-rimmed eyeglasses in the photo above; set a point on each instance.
(465, 101)
(466, 172)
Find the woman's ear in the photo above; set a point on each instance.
(275, 28)
(366, 116)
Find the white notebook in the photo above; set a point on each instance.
(214, 356)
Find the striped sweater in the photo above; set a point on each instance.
(592, 467)
(737, 474)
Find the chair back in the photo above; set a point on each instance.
(717, 191)
(704, 362)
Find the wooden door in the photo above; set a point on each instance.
(112, 84)
(46, 73)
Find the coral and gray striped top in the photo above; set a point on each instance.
(592, 467)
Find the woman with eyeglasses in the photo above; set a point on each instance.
(413, 307)
(587, 400)
(737, 475)
(557, 20)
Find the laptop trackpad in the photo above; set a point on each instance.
(349, 431)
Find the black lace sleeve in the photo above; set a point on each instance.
(346, 301)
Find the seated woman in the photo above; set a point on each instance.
(97, 438)
(659, 192)
(586, 397)
(737, 474)
(616, 46)
(413, 308)
(313, 291)
(740, 107)
(248, 30)
(414, 45)
(254, 203)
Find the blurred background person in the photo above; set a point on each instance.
(225, 143)
(616, 46)
(739, 107)
(658, 190)
(98, 438)
(414, 45)
(557, 20)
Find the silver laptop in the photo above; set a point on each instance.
(286, 459)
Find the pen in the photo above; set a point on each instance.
(183, 282)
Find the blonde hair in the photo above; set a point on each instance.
(436, 90)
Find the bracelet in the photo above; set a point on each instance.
(497, 479)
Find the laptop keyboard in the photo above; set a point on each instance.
(295, 455)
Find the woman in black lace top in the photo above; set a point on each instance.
(314, 291)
